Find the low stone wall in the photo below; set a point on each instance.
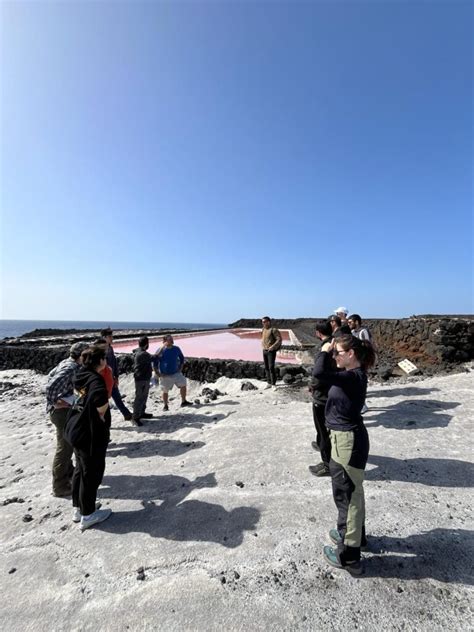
(43, 359)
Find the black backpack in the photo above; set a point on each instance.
(78, 428)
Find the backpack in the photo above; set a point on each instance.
(78, 428)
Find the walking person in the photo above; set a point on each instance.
(91, 447)
(320, 391)
(142, 372)
(168, 364)
(349, 444)
(271, 343)
(59, 399)
(108, 335)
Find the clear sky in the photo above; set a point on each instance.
(203, 161)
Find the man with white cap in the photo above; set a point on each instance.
(59, 399)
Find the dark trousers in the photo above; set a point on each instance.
(141, 395)
(322, 433)
(88, 474)
(62, 462)
(269, 361)
(119, 402)
(349, 453)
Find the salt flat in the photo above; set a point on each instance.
(221, 555)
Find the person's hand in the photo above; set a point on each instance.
(326, 347)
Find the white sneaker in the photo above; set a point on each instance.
(76, 512)
(98, 516)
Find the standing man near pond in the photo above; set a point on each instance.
(168, 363)
(108, 335)
(271, 342)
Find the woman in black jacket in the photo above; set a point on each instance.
(90, 456)
(349, 443)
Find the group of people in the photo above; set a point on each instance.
(79, 389)
(339, 388)
(77, 399)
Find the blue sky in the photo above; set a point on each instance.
(203, 161)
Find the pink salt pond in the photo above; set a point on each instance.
(229, 344)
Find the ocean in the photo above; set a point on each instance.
(10, 328)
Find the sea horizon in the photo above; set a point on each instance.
(17, 327)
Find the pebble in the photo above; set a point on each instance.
(27, 518)
(239, 484)
(12, 570)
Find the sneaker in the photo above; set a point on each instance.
(98, 516)
(354, 568)
(335, 537)
(321, 469)
(147, 416)
(136, 422)
(315, 446)
(128, 417)
(185, 403)
(165, 407)
(76, 512)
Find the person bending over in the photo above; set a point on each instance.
(349, 443)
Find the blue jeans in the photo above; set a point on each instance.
(119, 402)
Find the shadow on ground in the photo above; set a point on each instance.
(173, 519)
(153, 447)
(408, 391)
(171, 422)
(441, 554)
(426, 471)
(411, 414)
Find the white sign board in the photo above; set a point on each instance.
(407, 366)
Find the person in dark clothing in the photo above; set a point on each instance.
(90, 459)
(349, 443)
(338, 328)
(319, 391)
(271, 343)
(142, 372)
(108, 334)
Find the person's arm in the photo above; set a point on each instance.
(324, 371)
(181, 359)
(277, 344)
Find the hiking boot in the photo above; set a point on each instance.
(136, 422)
(76, 512)
(336, 539)
(165, 407)
(321, 469)
(128, 417)
(185, 403)
(98, 516)
(315, 446)
(147, 416)
(354, 568)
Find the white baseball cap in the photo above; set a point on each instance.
(341, 310)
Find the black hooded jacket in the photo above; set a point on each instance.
(91, 386)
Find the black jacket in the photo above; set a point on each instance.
(347, 391)
(142, 365)
(91, 386)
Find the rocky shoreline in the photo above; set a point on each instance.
(436, 345)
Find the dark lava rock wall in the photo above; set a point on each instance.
(435, 345)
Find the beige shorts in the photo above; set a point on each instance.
(168, 381)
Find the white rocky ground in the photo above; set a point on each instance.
(221, 555)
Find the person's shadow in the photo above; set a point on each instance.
(171, 422)
(410, 414)
(152, 447)
(407, 391)
(441, 554)
(174, 519)
(426, 471)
